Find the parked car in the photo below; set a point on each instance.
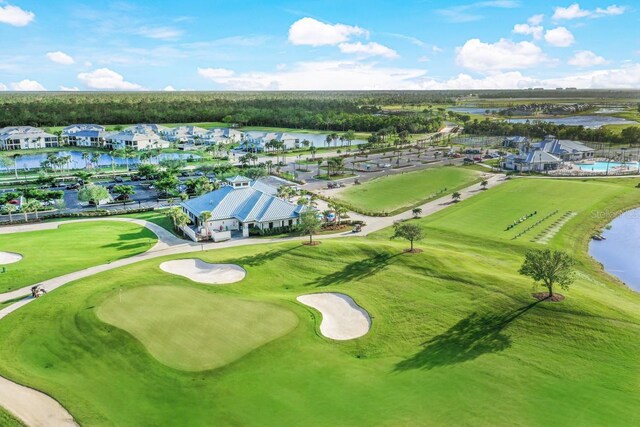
(184, 173)
(118, 179)
(72, 186)
(135, 178)
(122, 198)
(457, 155)
(199, 173)
(467, 161)
(477, 159)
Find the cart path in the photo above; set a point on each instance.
(37, 409)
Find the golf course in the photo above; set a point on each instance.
(400, 192)
(455, 336)
(68, 248)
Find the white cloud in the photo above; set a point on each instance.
(15, 16)
(536, 19)
(3, 87)
(436, 49)
(534, 30)
(162, 33)
(423, 58)
(502, 55)
(575, 12)
(60, 58)
(559, 37)
(469, 12)
(27, 85)
(325, 75)
(215, 73)
(281, 67)
(586, 58)
(104, 78)
(368, 49)
(69, 89)
(169, 88)
(309, 31)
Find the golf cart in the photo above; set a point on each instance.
(37, 291)
(357, 228)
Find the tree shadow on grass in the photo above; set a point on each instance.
(264, 257)
(356, 270)
(468, 339)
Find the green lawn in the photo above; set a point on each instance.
(487, 215)
(456, 338)
(8, 420)
(158, 217)
(71, 247)
(402, 191)
(209, 330)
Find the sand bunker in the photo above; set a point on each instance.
(203, 272)
(342, 318)
(9, 257)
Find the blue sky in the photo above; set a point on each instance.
(295, 45)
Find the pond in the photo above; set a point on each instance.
(619, 252)
(474, 110)
(33, 161)
(591, 122)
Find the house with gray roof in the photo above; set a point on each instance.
(239, 205)
(26, 138)
(85, 135)
(566, 150)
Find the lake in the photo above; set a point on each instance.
(474, 110)
(589, 121)
(32, 161)
(619, 252)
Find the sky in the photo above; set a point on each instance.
(61, 45)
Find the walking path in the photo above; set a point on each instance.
(38, 409)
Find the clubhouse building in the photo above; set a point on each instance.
(241, 204)
(546, 155)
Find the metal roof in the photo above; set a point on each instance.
(255, 203)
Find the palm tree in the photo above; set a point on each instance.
(30, 206)
(484, 184)
(456, 197)
(95, 159)
(416, 212)
(85, 157)
(15, 158)
(9, 209)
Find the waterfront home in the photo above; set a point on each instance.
(85, 135)
(186, 134)
(239, 205)
(26, 138)
(144, 128)
(134, 141)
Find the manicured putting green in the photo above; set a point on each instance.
(70, 247)
(193, 330)
(394, 192)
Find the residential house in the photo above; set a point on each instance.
(85, 135)
(26, 138)
(186, 134)
(239, 205)
(135, 141)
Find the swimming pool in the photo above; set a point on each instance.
(602, 166)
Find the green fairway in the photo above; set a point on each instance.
(488, 215)
(399, 192)
(192, 330)
(71, 247)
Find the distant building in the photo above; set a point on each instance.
(186, 134)
(26, 138)
(514, 141)
(546, 155)
(134, 141)
(85, 135)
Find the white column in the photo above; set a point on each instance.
(245, 230)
